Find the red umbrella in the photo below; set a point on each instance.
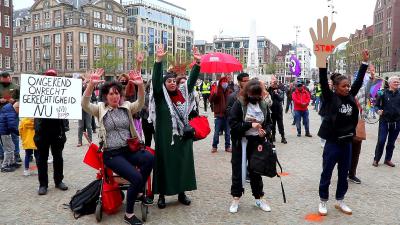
(216, 62)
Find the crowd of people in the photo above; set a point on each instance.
(246, 113)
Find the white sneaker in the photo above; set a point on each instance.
(343, 207)
(50, 160)
(234, 206)
(262, 204)
(322, 208)
(27, 173)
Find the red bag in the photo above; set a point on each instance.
(92, 157)
(111, 197)
(135, 144)
(201, 126)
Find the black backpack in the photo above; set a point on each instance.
(85, 200)
(264, 161)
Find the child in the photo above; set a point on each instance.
(9, 125)
(27, 132)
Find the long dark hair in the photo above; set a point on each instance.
(252, 87)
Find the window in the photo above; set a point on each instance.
(46, 15)
(47, 64)
(47, 24)
(96, 39)
(83, 51)
(57, 64)
(7, 41)
(1, 61)
(120, 42)
(109, 40)
(7, 62)
(69, 36)
(57, 13)
(83, 22)
(57, 39)
(37, 53)
(36, 17)
(69, 50)
(97, 15)
(120, 20)
(57, 23)
(28, 66)
(28, 43)
(7, 3)
(83, 37)
(130, 43)
(82, 63)
(70, 64)
(109, 17)
(57, 51)
(28, 55)
(6, 20)
(96, 52)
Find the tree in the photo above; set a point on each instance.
(270, 68)
(109, 59)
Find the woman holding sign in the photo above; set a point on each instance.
(116, 126)
(340, 117)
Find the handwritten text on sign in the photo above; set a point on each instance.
(50, 97)
(324, 48)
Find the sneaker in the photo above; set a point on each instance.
(322, 208)
(42, 190)
(340, 205)
(62, 186)
(7, 169)
(133, 220)
(262, 204)
(354, 179)
(27, 173)
(234, 206)
(50, 160)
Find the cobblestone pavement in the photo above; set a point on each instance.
(375, 201)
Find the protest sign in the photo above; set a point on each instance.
(50, 97)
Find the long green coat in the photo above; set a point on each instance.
(174, 164)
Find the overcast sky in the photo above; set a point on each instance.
(274, 19)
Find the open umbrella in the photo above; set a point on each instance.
(216, 62)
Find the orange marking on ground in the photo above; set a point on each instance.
(314, 217)
(283, 174)
(33, 167)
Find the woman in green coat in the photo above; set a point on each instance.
(174, 167)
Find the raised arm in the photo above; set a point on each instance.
(139, 103)
(361, 73)
(194, 73)
(157, 77)
(92, 79)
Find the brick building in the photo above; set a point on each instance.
(6, 34)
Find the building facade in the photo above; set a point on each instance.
(70, 36)
(203, 46)
(386, 44)
(161, 22)
(282, 62)
(238, 47)
(360, 40)
(6, 34)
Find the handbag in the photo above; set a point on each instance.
(111, 196)
(134, 144)
(201, 127)
(360, 131)
(360, 128)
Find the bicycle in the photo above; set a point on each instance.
(370, 115)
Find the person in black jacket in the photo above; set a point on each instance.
(242, 79)
(50, 134)
(250, 124)
(340, 118)
(277, 96)
(388, 105)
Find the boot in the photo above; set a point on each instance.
(161, 202)
(284, 141)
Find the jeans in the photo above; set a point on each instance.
(316, 104)
(340, 154)
(221, 123)
(297, 117)
(28, 154)
(205, 99)
(134, 167)
(56, 144)
(8, 147)
(85, 125)
(389, 131)
(15, 139)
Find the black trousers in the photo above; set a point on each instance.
(148, 131)
(256, 182)
(93, 124)
(355, 155)
(277, 118)
(43, 147)
(205, 100)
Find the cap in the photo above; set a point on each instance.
(51, 72)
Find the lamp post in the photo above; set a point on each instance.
(332, 9)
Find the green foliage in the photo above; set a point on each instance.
(109, 59)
